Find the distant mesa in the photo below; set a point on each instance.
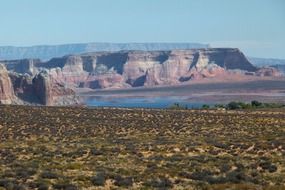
(53, 82)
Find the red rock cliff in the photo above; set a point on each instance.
(6, 88)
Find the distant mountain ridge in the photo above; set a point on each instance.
(46, 52)
(278, 64)
(280, 68)
(265, 61)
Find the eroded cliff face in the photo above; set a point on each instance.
(125, 69)
(41, 89)
(27, 66)
(6, 89)
(146, 68)
(51, 92)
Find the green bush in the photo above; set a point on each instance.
(205, 106)
(124, 181)
(233, 106)
(256, 103)
(219, 106)
(178, 106)
(49, 175)
(99, 179)
(161, 183)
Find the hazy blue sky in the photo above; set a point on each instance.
(255, 26)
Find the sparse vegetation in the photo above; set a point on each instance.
(178, 106)
(253, 105)
(234, 106)
(78, 148)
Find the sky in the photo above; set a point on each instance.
(257, 27)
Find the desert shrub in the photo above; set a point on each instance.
(43, 187)
(239, 166)
(25, 173)
(244, 105)
(272, 168)
(225, 167)
(219, 106)
(78, 153)
(254, 173)
(4, 182)
(185, 175)
(205, 106)
(215, 180)
(161, 182)
(201, 175)
(233, 106)
(99, 179)
(236, 177)
(238, 105)
(64, 186)
(256, 103)
(19, 187)
(49, 175)
(8, 184)
(200, 158)
(266, 165)
(8, 174)
(123, 171)
(124, 181)
(273, 105)
(40, 184)
(131, 148)
(178, 106)
(176, 158)
(96, 152)
(220, 145)
(151, 166)
(22, 174)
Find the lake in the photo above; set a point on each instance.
(139, 102)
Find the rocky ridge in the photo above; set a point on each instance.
(125, 69)
(46, 52)
(6, 89)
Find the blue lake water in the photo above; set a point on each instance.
(139, 102)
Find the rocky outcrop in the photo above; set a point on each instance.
(280, 68)
(6, 89)
(105, 81)
(42, 89)
(27, 66)
(50, 92)
(268, 71)
(23, 88)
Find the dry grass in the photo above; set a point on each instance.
(80, 148)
